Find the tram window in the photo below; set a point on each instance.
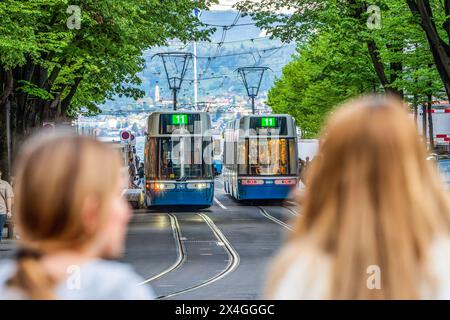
(183, 158)
(169, 123)
(170, 166)
(269, 157)
(242, 159)
(152, 159)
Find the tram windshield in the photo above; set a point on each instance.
(180, 158)
(268, 157)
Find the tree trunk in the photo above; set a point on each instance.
(424, 122)
(430, 122)
(415, 108)
(439, 49)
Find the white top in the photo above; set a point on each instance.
(309, 275)
(95, 280)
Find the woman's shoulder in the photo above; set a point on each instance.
(104, 279)
(306, 273)
(438, 266)
(7, 268)
(95, 280)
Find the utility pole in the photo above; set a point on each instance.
(195, 76)
(197, 13)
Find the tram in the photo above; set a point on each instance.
(260, 157)
(217, 154)
(178, 159)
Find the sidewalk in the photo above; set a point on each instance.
(7, 248)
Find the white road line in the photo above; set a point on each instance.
(268, 216)
(181, 254)
(220, 204)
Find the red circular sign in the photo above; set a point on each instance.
(125, 135)
(132, 137)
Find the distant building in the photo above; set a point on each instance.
(157, 93)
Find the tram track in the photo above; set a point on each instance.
(291, 211)
(233, 257)
(181, 252)
(272, 218)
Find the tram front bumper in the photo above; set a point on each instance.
(181, 194)
(265, 191)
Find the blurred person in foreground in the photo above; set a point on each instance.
(71, 218)
(374, 209)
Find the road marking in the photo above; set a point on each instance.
(220, 203)
(268, 216)
(181, 253)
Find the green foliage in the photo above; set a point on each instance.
(33, 91)
(317, 80)
(92, 63)
(395, 57)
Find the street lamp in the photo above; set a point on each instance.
(252, 78)
(175, 66)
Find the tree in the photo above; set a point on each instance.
(317, 79)
(50, 69)
(398, 48)
(429, 15)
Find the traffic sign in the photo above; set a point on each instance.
(125, 136)
(132, 140)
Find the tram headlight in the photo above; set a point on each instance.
(198, 185)
(162, 186)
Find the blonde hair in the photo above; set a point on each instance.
(372, 199)
(55, 175)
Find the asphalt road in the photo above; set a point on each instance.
(219, 253)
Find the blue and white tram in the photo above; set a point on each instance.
(260, 157)
(178, 159)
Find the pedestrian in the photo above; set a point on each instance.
(305, 166)
(131, 172)
(141, 174)
(375, 220)
(300, 167)
(73, 221)
(137, 161)
(6, 202)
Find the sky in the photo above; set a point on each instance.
(224, 5)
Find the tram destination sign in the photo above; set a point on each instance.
(179, 119)
(270, 122)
